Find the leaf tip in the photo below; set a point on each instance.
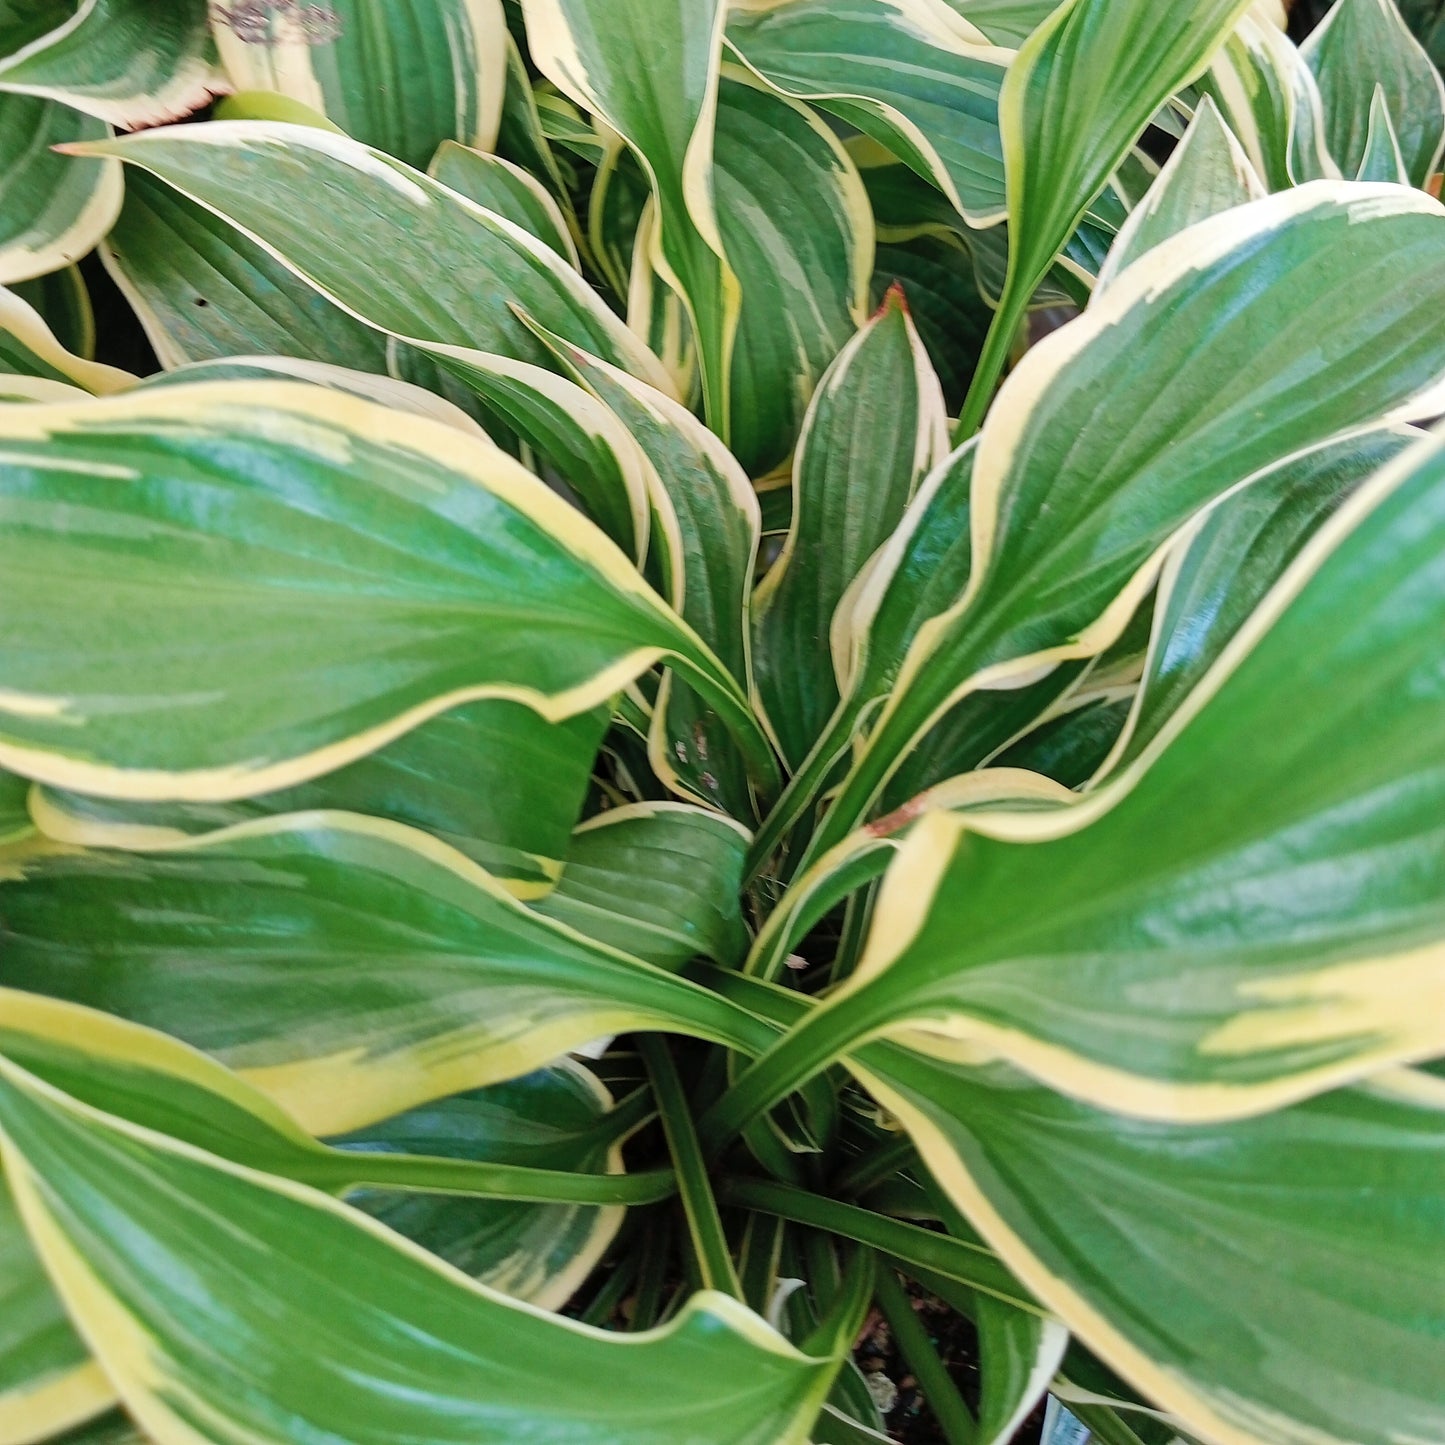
(895, 298)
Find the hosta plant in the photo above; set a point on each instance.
(743, 663)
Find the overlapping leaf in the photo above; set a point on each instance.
(1248, 915)
(909, 73)
(1269, 97)
(1362, 44)
(1209, 1263)
(1083, 88)
(876, 426)
(350, 532)
(794, 218)
(55, 210)
(350, 967)
(193, 1277)
(1073, 500)
(666, 112)
(122, 61)
(422, 263)
(203, 291)
(48, 1381)
(659, 881)
(400, 75)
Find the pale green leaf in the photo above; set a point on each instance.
(794, 218)
(400, 75)
(204, 291)
(507, 189)
(55, 209)
(665, 111)
(123, 61)
(909, 73)
(1362, 44)
(422, 262)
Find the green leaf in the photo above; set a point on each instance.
(400, 75)
(1364, 43)
(14, 814)
(56, 209)
(507, 189)
(620, 197)
(521, 138)
(28, 347)
(978, 732)
(657, 880)
(1073, 743)
(196, 1277)
(47, 1379)
(1208, 173)
(1019, 1353)
(123, 61)
(706, 527)
(1269, 98)
(114, 1428)
(1208, 1263)
(1191, 943)
(876, 425)
(544, 1138)
(204, 291)
(938, 277)
(155, 1082)
(350, 968)
(1115, 431)
(913, 577)
(556, 1119)
(864, 855)
(1217, 577)
(63, 301)
(666, 112)
(1382, 160)
(1082, 90)
(198, 691)
(909, 73)
(365, 384)
(795, 220)
(491, 779)
(1005, 22)
(436, 260)
(593, 453)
